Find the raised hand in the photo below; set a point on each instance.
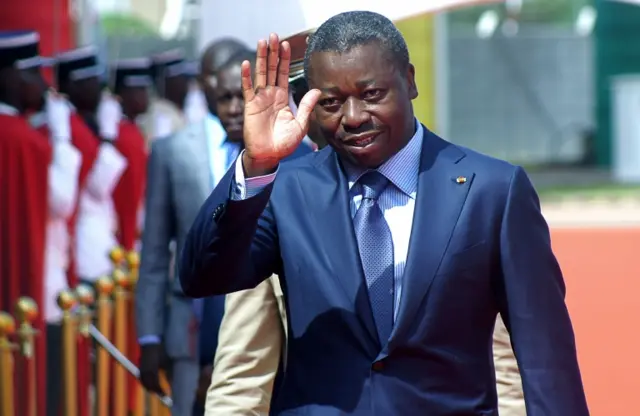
(271, 130)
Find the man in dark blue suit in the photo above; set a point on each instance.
(396, 249)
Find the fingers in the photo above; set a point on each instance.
(305, 108)
(283, 67)
(151, 382)
(272, 66)
(248, 91)
(261, 65)
(272, 59)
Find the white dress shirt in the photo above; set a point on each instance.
(222, 152)
(397, 201)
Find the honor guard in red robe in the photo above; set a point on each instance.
(171, 81)
(79, 78)
(92, 224)
(53, 121)
(132, 81)
(25, 156)
(195, 104)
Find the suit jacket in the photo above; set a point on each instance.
(250, 343)
(479, 247)
(178, 182)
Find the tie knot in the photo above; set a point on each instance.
(373, 183)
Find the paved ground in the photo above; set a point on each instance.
(593, 213)
(597, 243)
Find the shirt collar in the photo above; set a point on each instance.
(8, 110)
(401, 169)
(216, 134)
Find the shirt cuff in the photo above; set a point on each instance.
(149, 339)
(247, 188)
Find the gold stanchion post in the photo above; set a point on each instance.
(67, 301)
(104, 312)
(86, 297)
(120, 296)
(7, 329)
(133, 265)
(26, 313)
(164, 383)
(156, 407)
(117, 256)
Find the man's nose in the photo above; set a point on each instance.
(353, 114)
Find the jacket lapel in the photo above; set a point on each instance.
(443, 187)
(327, 198)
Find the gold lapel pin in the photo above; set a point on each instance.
(461, 179)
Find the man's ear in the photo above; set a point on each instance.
(411, 82)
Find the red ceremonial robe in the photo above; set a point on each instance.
(127, 199)
(25, 155)
(129, 192)
(87, 144)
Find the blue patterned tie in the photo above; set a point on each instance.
(376, 252)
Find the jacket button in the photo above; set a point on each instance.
(217, 212)
(378, 366)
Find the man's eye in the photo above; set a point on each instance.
(328, 102)
(372, 94)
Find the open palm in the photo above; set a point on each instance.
(271, 131)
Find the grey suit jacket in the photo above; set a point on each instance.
(178, 182)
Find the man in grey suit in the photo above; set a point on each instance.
(182, 171)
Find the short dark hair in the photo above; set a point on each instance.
(237, 59)
(345, 31)
(219, 52)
